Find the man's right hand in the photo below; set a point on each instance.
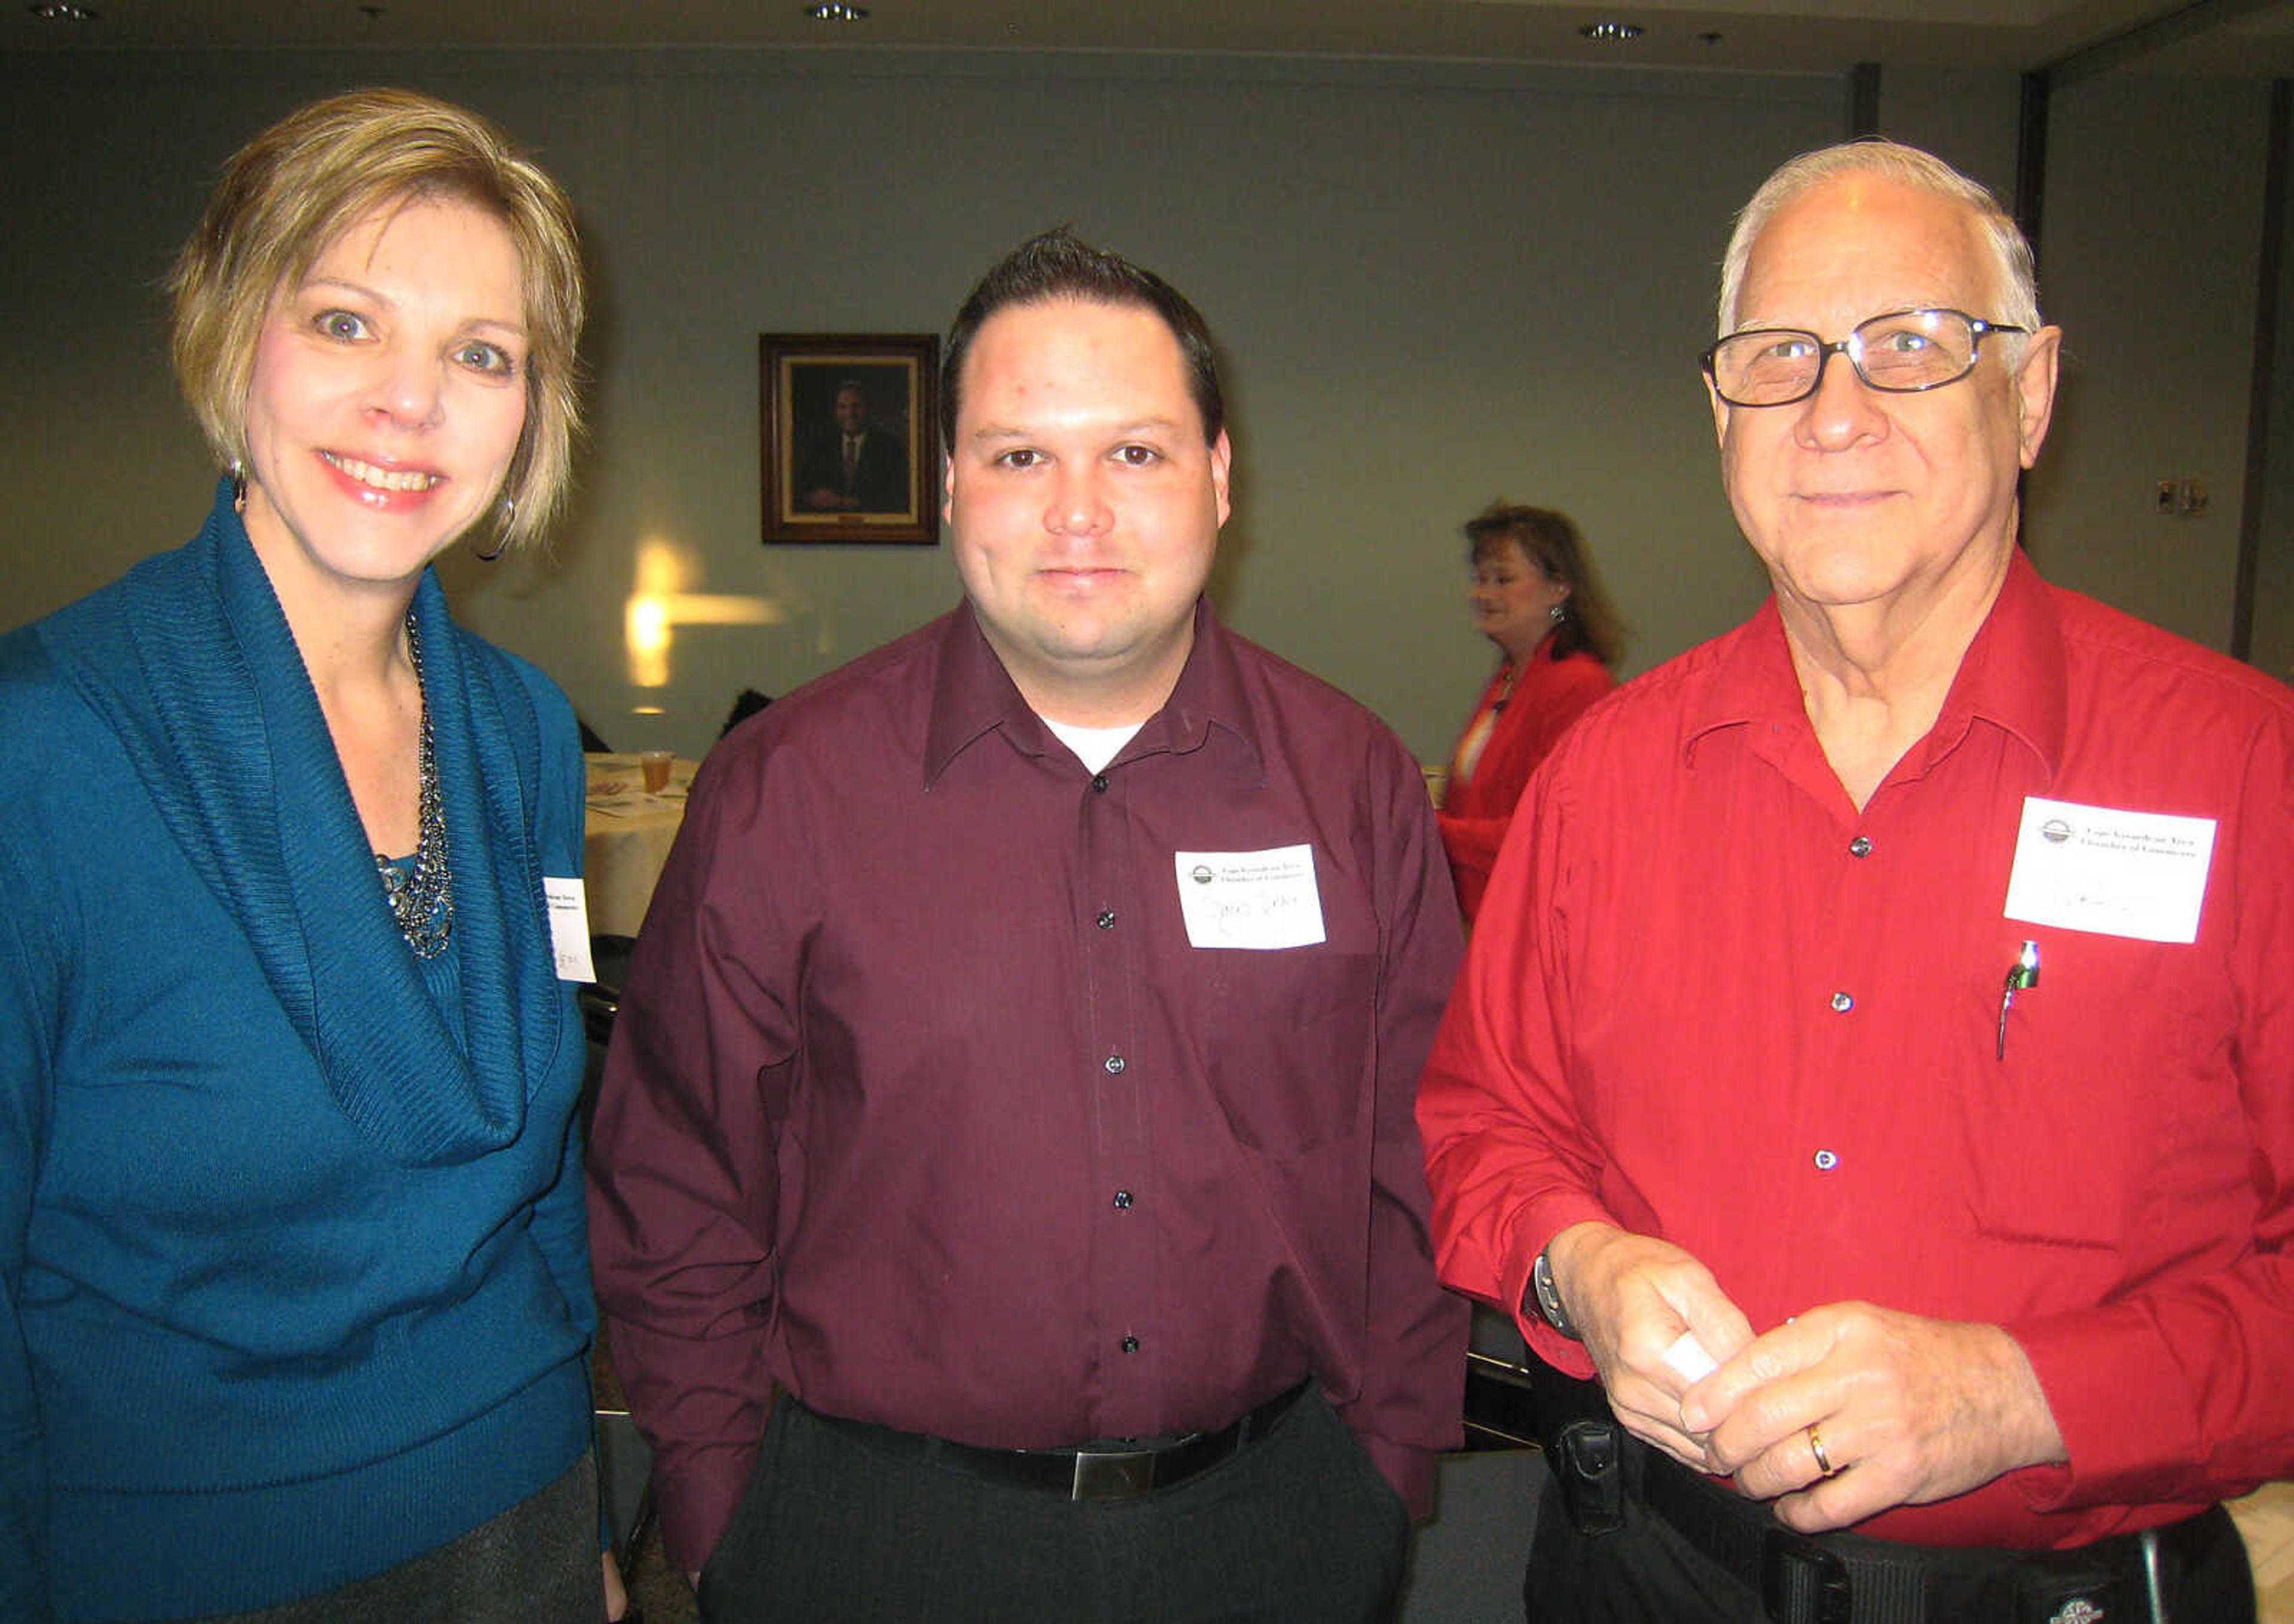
(1632, 1296)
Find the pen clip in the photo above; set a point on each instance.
(2022, 973)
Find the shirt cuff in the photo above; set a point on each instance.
(1540, 1224)
(2086, 1363)
(697, 1506)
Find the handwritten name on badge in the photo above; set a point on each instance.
(1257, 899)
(2138, 874)
(569, 928)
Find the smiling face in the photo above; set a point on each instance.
(386, 399)
(1084, 504)
(1513, 598)
(1856, 497)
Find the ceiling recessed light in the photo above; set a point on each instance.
(1613, 31)
(53, 12)
(836, 10)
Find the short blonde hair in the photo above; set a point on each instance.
(288, 194)
(2017, 287)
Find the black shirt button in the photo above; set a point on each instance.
(1122, 1199)
(1114, 1065)
(1861, 847)
(1099, 783)
(1107, 919)
(1129, 1344)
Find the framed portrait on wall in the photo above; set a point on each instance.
(849, 425)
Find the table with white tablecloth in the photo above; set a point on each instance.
(628, 832)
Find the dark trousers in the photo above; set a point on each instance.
(1646, 1573)
(1297, 1526)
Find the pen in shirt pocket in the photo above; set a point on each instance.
(2024, 972)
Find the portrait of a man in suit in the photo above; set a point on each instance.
(854, 465)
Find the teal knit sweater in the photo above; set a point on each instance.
(293, 1280)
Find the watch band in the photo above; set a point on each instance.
(1548, 1298)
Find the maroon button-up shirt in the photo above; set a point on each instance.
(922, 1106)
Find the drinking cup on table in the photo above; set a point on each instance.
(655, 765)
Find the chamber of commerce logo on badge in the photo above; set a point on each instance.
(2055, 831)
(1200, 874)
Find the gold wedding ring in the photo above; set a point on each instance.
(1816, 1447)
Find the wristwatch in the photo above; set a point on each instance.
(1548, 1298)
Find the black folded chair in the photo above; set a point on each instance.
(624, 1462)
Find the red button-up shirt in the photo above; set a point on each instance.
(1709, 1001)
(922, 1105)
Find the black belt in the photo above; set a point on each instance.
(1847, 1579)
(1116, 1470)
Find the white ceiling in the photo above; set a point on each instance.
(2246, 38)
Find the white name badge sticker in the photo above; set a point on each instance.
(569, 928)
(2139, 874)
(1250, 898)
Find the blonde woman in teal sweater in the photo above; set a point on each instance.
(295, 1315)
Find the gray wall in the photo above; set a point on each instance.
(1434, 285)
(2149, 259)
(2274, 592)
(1966, 119)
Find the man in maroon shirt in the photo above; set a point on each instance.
(1873, 1060)
(1017, 1066)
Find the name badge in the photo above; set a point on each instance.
(569, 928)
(1257, 899)
(2138, 874)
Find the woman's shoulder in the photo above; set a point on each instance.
(38, 702)
(68, 790)
(515, 674)
(1580, 666)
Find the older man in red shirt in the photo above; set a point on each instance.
(1873, 1064)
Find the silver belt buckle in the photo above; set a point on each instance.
(1112, 1474)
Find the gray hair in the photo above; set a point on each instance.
(2016, 283)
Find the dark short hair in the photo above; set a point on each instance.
(1058, 266)
(1550, 540)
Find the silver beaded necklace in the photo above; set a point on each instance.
(422, 895)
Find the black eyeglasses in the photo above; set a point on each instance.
(1900, 353)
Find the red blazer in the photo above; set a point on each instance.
(1551, 695)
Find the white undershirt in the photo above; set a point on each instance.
(1094, 747)
(1470, 747)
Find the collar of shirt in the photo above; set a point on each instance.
(973, 696)
(2013, 676)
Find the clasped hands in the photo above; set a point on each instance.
(1842, 1412)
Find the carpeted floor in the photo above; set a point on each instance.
(660, 1593)
(2267, 1519)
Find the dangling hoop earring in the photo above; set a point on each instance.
(238, 486)
(501, 542)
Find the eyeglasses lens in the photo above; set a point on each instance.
(1900, 353)
(1917, 350)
